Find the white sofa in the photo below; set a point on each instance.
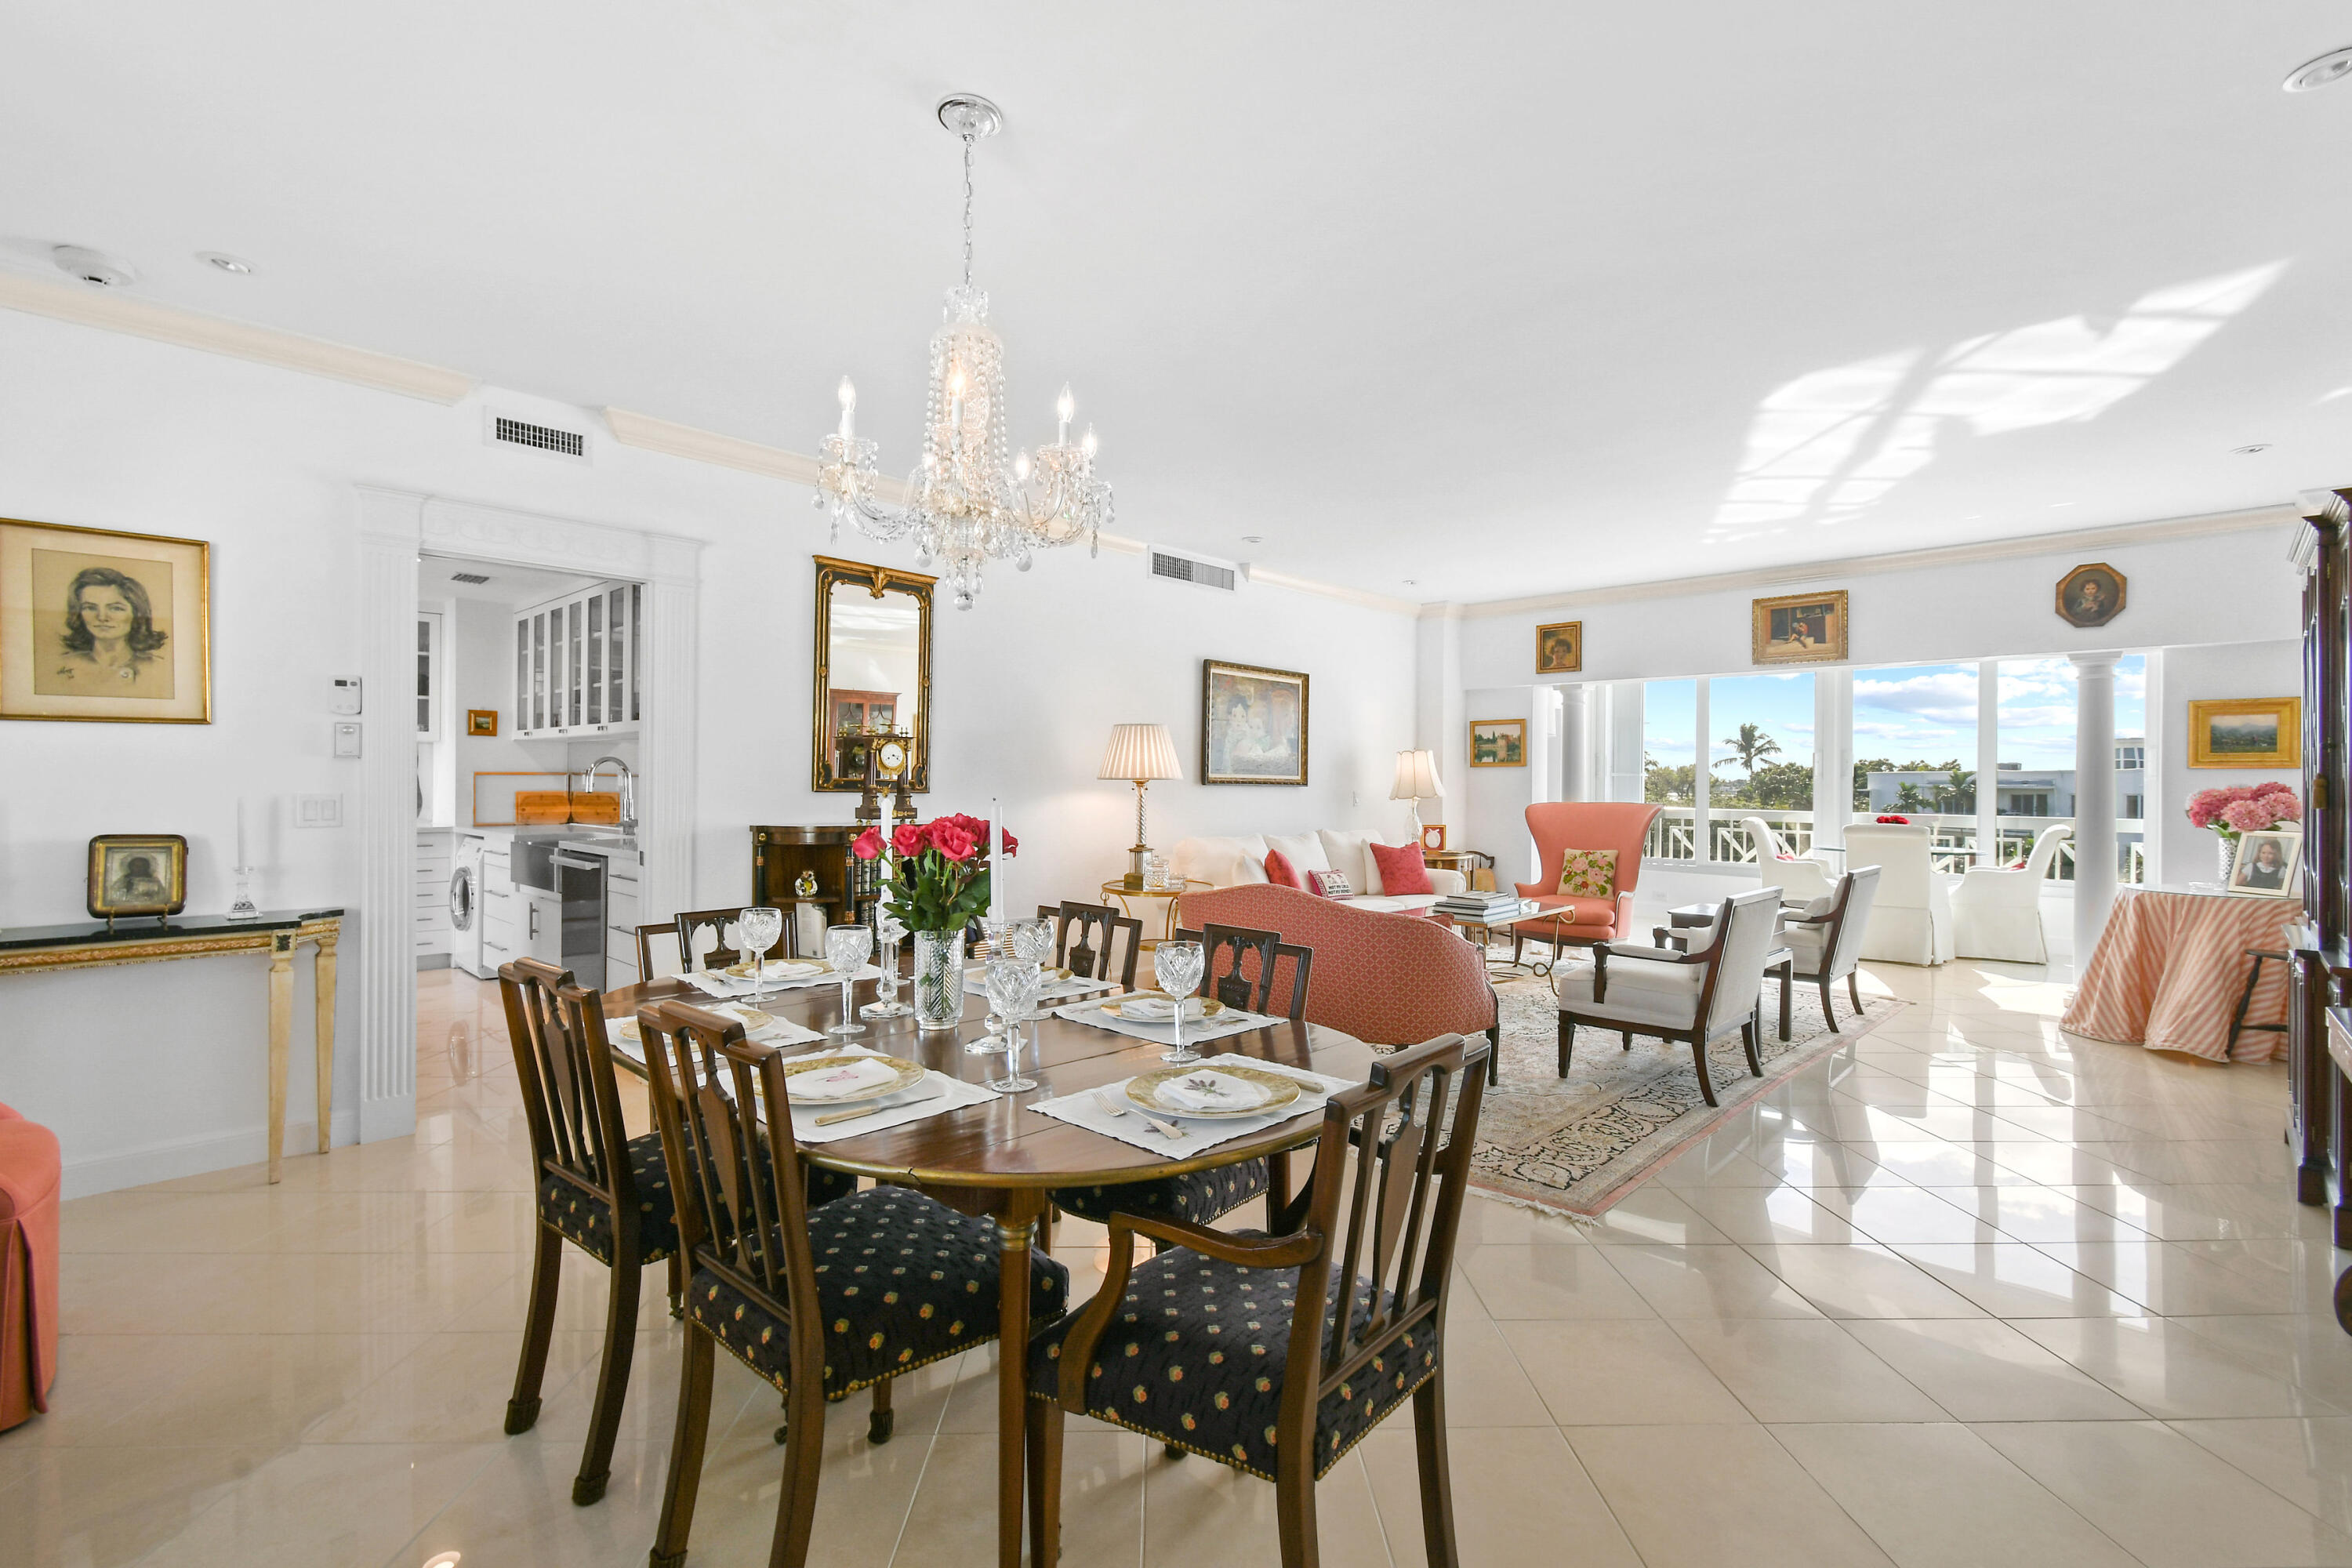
(1239, 861)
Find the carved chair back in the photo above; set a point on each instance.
(572, 1101)
(1247, 952)
(1084, 936)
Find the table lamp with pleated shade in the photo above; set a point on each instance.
(1139, 753)
(1416, 781)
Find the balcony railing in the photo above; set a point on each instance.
(1952, 844)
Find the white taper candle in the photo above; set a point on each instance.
(996, 858)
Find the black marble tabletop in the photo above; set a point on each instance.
(147, 928)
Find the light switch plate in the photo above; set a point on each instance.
(344, 695)
(317, 811)
(346, 739)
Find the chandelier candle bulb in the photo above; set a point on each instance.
(848, 396)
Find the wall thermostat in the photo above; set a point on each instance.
(345, 698)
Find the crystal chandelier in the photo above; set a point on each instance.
(967, 503)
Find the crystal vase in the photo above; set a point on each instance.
(938, 979)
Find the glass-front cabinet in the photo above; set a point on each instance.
(577, 660)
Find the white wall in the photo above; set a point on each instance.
(2201, 674)
(1493, 801)
(116, 432)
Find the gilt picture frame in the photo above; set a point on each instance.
(1255, 724)
(2246, 732)
(1498, 742)
(1559, 648)
(1799, 628)
(2091, 594)
(137, 874)
(98, 625)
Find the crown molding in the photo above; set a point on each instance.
(1368, 600)
(2088, 539)
(88, 307)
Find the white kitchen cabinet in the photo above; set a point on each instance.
(620, 920)
(429, 917)
(577, 663)
(501, 910)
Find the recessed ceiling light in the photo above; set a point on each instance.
(1412, 581)
(226, 262)
(1253, 539)
(94, 267)
(2331, 66)
(442, 1560)
(2251, 448)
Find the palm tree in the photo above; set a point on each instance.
(1909, 799)
(1959, 790)
(1749, 747)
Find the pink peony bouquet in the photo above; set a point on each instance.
(2245, 808)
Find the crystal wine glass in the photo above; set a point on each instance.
(846, 948)
(889, 931)
(1177, 966)
(1033, 944)
(991, 930)
(758, 928)
(1012, 988)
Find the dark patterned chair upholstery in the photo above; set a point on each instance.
(585, 1216)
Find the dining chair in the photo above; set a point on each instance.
(1232, 1346)
(1086, 955)
(1230, 983)
(598, 1188)
(1697, 997)
(820, 1302)
(1824, 939)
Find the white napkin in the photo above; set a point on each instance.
(845, 1082)
(1207, 1089)
(1087, 1110)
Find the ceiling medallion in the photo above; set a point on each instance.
(968, 503)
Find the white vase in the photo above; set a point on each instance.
(2229, 855)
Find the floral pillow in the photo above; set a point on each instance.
(1330, 884)
(1588, 873)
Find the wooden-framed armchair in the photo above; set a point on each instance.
(1697, 997)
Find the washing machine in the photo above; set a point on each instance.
(465, 909)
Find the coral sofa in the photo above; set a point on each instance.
(30, 1175)
(1240, 862)
(1560, 825)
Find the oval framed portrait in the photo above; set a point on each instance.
(2091, 594)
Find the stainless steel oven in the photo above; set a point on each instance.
(567, 914)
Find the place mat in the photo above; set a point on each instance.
(935, 1095)
(1053, 990)
(712, 983)
(625, 1041)
(1084, 1110)
(1197, 1031)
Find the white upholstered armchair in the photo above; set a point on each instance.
(1911, 922)
(1801, 879)
(1697, 997)
(1998, 911)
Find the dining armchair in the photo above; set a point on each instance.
(1560, 826)
(1233, 955)
(1095, 929)
(820, 1302)
(1912, 920)
(1232, 1345)
(1801, 879)
(1996, 909)
(1824, 938)
(1698, 996)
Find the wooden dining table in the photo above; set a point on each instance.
(998, 1160)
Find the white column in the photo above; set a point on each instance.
(2094, 798)
(1702, 824)
(1989, 763)
(1575, 780)
(389, 526)
(2157, 808)
(1627, 778)
(1833, 756)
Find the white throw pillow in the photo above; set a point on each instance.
(1347, 853)
(1303, 850)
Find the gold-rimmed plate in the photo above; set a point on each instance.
(1209, 1007)
(1282, 1091)
(907, 1076)
(780, 969)
(753, 1022)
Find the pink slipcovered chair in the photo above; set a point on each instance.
(1387, 979)
(30, 1176)
(1560, 825)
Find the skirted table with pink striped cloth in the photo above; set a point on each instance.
(2170, 966)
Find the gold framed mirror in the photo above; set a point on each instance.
(873, 669)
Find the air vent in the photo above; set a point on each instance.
(548, 440)
(468, 577)
(1194, 570)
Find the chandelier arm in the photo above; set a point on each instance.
(968, 142)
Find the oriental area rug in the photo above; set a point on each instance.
(1575, 1145)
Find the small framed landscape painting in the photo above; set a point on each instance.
(1560, 649)
(102, 625)
(1799, 628)
(481, 721)
(137, 874)
(1253, 724)
(1498, 742)
(2268, 863)
(2246, 732)
(2091, 595)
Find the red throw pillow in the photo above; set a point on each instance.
(1403, 870)
(1280, 873)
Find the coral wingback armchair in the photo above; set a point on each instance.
(1560, 825)
(1387, 979)
(29, 1180)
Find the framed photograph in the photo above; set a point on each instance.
(137, 874)
(1253, 724)
(102, 626)
(2091, 595)
(2269, 863)
(481, 721)
(2246, 732)
(1799, 628)
(1560, 649)
(1498, 742)
(1433, 837)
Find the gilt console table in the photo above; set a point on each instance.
(89, 944)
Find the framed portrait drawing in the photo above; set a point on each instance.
(2246, 732)
(1253, 724)
(2091, 595)
(102, 626)
(481, 721)
(1560, 649)
(137, 874)
(2269, 863)
(1498, 742)
(1799, 628)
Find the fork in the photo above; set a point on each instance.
(1110, 1107)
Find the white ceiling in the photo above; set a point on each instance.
(1499, 299)
(513, 586)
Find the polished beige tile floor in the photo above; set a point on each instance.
(1967, 1292)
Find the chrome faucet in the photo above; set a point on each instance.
(628, 792)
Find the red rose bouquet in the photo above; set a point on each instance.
(940, 881)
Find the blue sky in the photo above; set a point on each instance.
(1907, 711)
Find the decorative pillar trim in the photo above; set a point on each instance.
(2094, 798)
(1989, 763)
(1833, 755)
(1702, 820)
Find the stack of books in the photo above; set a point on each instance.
(1485, 908)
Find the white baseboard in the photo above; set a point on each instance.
(195, 1156)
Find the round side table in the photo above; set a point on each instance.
(1117, 889)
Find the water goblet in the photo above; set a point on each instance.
(757, 928)
(1012, 988)
(846, 948)
(1178, 966)
(889, 931)
(1033, 943)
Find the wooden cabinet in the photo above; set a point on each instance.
(846, 886)
(577, 662)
